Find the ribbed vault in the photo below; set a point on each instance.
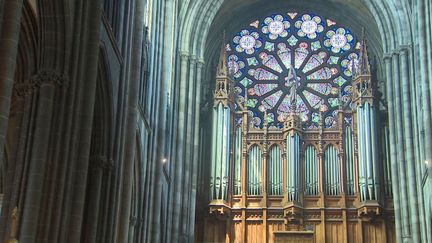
(203, 22)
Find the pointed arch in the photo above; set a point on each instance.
(254, 171)
(274, 170)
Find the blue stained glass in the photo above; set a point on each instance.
(270, 62)
(320, 51)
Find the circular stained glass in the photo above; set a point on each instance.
(338, 41)
(309, 27)
(247, 42)
(292, 63)
(276, 27)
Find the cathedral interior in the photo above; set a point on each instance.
(204, 121)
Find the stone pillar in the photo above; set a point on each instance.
(87, 88)
(47, 83)
(186, 210)
(97, 165)
(131, 124)
(408, 140)
(196, 144)
(406, 231)
(425, 82)
(15, 171)
(178, 160)
(9, 36)
(393, 149)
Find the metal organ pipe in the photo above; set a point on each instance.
(349, 161)
(311, 180)
(362, 176)
(374, 154)
(293, 161)
(274, 170)
(254, 171)
(237, 163)
(220, 153)
(213, 154)
(368, 169)
(332, 171)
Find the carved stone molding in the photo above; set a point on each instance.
(369, 211)
(43, 77)
(219, 211)
(133, 221)
(293, 214)
(23, 89)
(48, 77)
(101, 162)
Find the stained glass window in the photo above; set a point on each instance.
(292, 61)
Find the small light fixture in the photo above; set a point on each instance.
(426, 162)
(164, 160)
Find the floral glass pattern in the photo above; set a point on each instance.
(262, 58)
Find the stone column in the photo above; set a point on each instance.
(131, 123)
(400, 159)
(178, 160)
(97, 165)
(186, 210)
(15, 170)
(9, 36)
(196, 147)
(393, 153)
(38, 157)
(162, 148)
(408, 140)
(425, 82)
(87, 89)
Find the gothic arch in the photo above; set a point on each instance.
(56, 18)
(198, 18)
(101, 156)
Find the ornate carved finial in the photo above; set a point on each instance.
(362, 67)
(363, 88)
(222, 68)
(224, 91)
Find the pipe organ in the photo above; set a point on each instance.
(294, 182)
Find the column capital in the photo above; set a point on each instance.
(200, 61)
(404, 49)
(24, 88)
(48, 77)
(193, 58)
(133, 220)
(183, 54)
(395, 52)
(101, 162)
(387, 57)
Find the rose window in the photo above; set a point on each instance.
(292, 63)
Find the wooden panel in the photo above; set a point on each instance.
(272, 227)
(236, 232)
(215, 231)
(352, 232)
(254, 232)
(334, 232)
(294, 237)
(391, 232)
(372, 233)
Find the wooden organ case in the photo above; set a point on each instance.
(294, 184)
